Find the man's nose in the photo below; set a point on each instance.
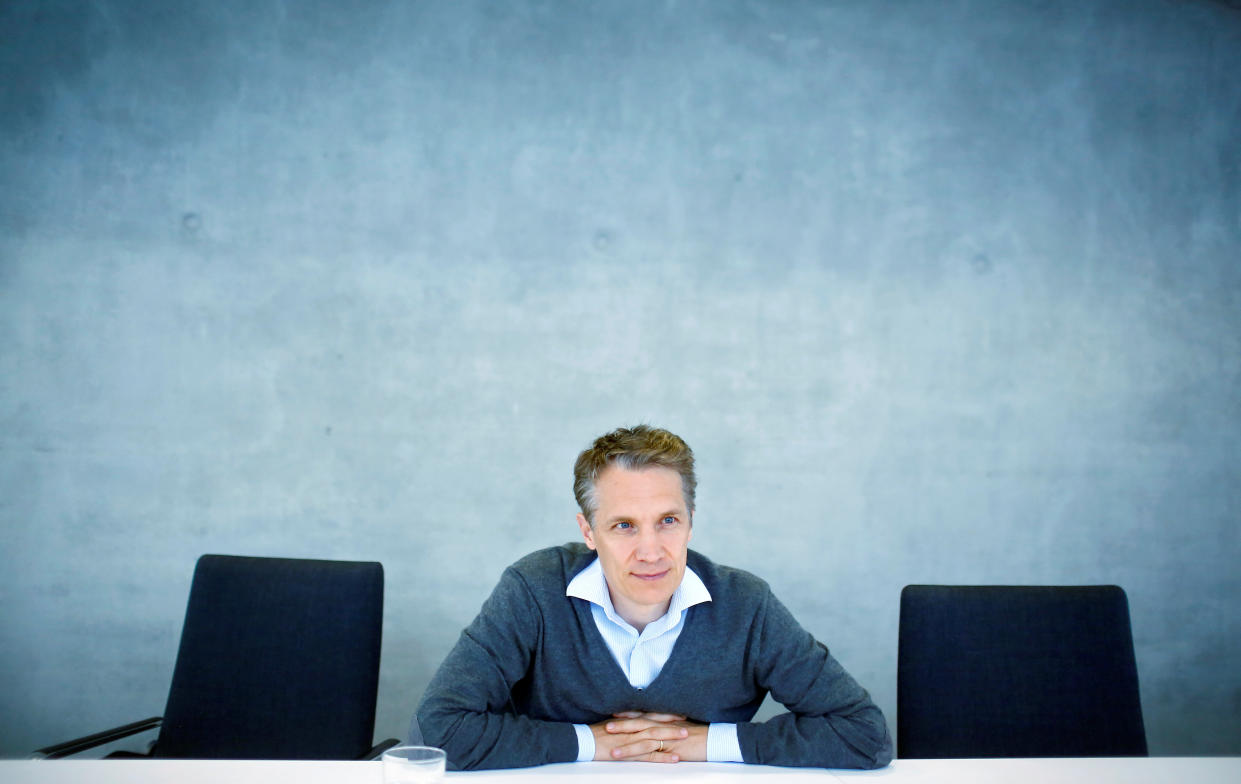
(648, 544)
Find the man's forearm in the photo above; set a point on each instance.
(475, 741)
(858, 741)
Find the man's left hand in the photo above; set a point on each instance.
(691, 748)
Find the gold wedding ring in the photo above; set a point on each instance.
(661, 745)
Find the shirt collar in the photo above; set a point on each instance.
(591, 584)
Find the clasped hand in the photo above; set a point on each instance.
(650, 737)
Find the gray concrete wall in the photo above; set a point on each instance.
(939, 292)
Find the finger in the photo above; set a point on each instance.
(629, 725)
(668, 734)
(644, 723)
(633, 751)
(663, 752)
(652, 756)
(660, 717)
(664, 718)
(650, 750)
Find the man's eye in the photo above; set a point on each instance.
(623, 526)
(669, 520)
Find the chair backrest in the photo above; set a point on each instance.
(1016, 671)
(279, 659)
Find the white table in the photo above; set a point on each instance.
(1092, 770)
(1152, 770)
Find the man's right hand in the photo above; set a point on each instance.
(646, 737)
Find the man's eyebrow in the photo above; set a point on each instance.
(626, 518)
(677, 513)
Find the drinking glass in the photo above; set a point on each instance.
(413, 765)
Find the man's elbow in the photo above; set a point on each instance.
(879, 751)
(883, 756)
(437, 727)
(868, 741)
(425, 730)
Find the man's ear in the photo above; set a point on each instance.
(691, 526)
(587, 533)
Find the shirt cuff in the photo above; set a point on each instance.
(722, 743)
(586, 742)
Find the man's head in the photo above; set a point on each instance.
(636, 490)
(632, 448)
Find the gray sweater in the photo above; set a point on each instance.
(533, 663)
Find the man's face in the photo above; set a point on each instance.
(641, 533)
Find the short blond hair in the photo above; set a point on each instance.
(632, 448)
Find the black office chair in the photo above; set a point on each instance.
(279, 659)
(1014, 671)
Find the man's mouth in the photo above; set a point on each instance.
(651, 577)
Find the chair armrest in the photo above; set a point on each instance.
(98, 739)
(380, 748)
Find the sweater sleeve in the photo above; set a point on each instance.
(831, 723)
(467, 708)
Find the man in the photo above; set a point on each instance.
(633, 647)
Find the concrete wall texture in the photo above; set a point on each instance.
(942, 292)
